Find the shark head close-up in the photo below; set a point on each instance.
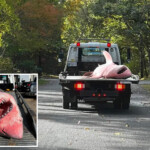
(11, 122)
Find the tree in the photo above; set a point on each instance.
(39, 35)
(78, 21)
(125, 22)
(9, 23)
(133, 20)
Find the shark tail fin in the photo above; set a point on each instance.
(107, 57)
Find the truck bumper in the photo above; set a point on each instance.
(96, 99)
(96, 96)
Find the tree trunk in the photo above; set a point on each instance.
(145, 67)
(141, 57)
(39, 63)
(141, 65)
(149, 61)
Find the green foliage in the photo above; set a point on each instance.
(38, 38)
(9, 24)
(42, 82)
(6, 65)
(78, 21)
(125, 22)
(34, 31)
(146, 87)
(26, 66)
(8, 19)
(40, 23)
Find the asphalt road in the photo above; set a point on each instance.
(93, 128)
(90, 128)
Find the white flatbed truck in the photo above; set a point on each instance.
(85, 57)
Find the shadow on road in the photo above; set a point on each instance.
(117, 129)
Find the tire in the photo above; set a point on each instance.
(65, 100)
(122, 102)
(117, 103)
(125, 103)
(74, 104)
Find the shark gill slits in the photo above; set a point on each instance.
(5, 108)
(122, 70)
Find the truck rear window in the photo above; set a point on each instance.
(92, 51)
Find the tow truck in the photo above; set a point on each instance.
(85, 57)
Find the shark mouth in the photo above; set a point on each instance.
(5, 108)
(122, 70)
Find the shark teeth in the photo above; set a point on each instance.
(2, 102)
(5, 109)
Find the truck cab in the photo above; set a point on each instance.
(84, 57)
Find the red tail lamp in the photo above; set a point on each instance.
(104, 95)
(79, 86)
(78, 44)
(99, 95)
(93, 94)
(120, 87)
(29, 84)
(108, 44)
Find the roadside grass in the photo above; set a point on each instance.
(42, 82)
(145, 78)
(146, 86)
(54, 76)
(50, 76)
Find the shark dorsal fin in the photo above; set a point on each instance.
(107, 57)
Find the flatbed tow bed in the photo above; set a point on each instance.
(81, 88)
(133, 79)
(29, 139)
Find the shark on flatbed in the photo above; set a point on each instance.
(110, 70)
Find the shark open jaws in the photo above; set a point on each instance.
(11, 122)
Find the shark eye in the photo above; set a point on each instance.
(122, 70)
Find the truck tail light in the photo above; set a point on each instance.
(78, 44)
(79, 86)
(29, 84)
(93, 94)
(108, 44)
(120, 87)
(104, 95)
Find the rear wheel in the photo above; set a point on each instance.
(65, 103)
(74, 103)
(117, 103)
(65, 100)
(122, 102)
(125, 102)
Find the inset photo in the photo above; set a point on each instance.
(18, 110)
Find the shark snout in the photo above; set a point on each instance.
(123, 72)
(14, 131)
